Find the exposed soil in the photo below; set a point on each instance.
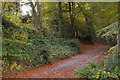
(67, 67)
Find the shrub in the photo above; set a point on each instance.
(55, 48)
(37, 50)
(108, 70)
(15, 51)
(109, 33)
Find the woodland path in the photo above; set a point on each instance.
(67, 67)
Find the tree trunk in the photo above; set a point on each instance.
(39, 18)
(90, 30)
(119, 38)
(1, 14)
(60, 16)
(37, 15)
(33, 13)
(72, 19)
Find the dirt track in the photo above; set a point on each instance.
(67, 67)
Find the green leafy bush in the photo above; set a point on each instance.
(105, 71)
(15, 51)
(37, 50)
(53, 48)
(109, 33)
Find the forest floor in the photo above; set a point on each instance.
(67, 67)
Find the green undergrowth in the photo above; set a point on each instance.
(23, 49)
(108, 34)
(23, 46)
(108, 70)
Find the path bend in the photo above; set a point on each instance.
(67, 67)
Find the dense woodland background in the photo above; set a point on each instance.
(54, 30)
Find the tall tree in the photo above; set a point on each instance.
(39, 17)
(60, 15)
(36, 13)
(118, 34)
(90, 30)
(72, 18)
(119, 38)
(89, 22)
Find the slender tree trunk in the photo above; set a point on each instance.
(38, 18)
(1, 15)
(33, 13)
(36, 14)
(118, 39)
(90, 30)
(71, 12)
(60, 16)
